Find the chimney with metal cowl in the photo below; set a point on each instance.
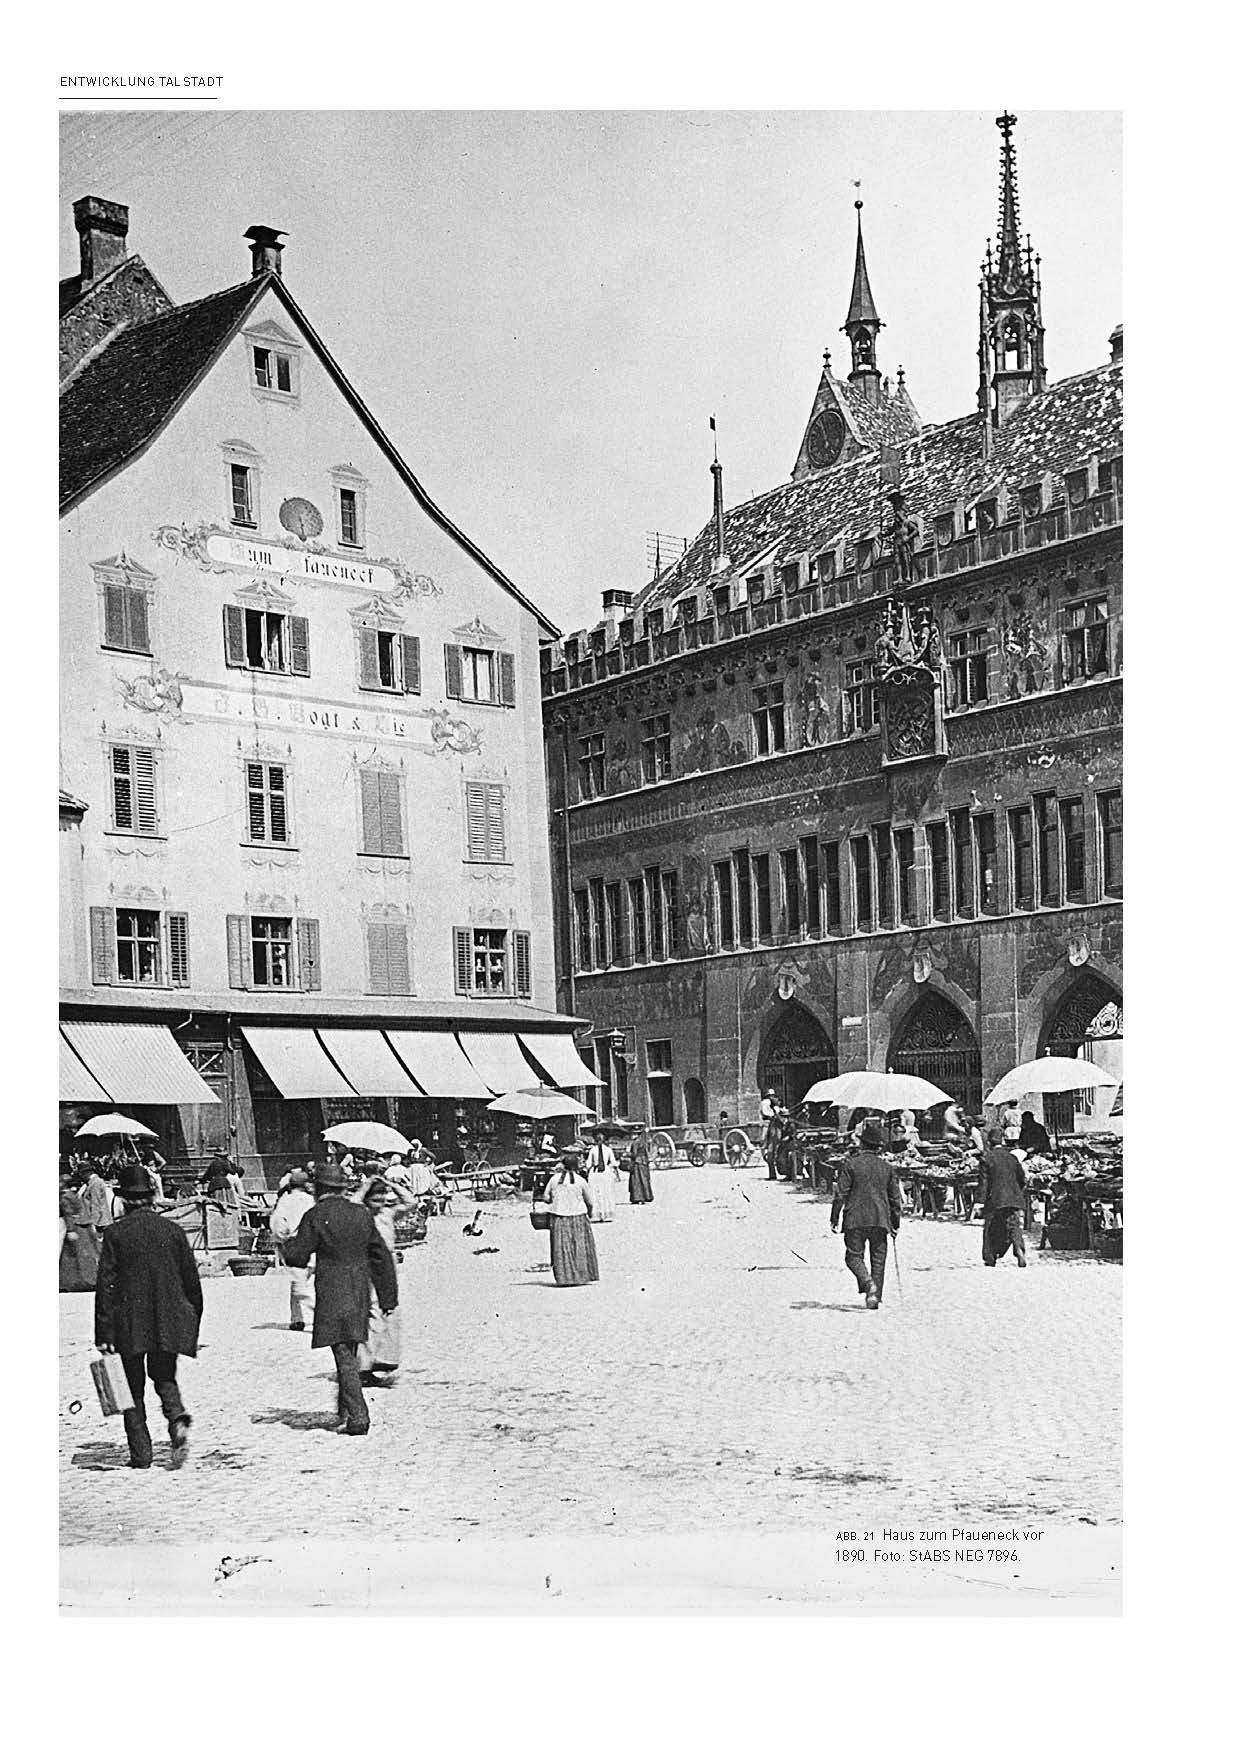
(102, 228)
(616, 605)
(265, 250)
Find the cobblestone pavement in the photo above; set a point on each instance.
(713, 1381)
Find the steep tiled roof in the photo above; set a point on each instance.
(889, 423)
(1052, 433)
(122, 398)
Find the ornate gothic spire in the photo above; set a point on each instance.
(1009, 229)
(862, 324)
(1010, 319)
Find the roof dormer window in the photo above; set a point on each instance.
(273, 371)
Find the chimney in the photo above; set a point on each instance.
(102, 228)
(1116, 340)
(616, 605)
(265, 250)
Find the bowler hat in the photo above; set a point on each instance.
(133, 1182)
(872, 1134)
(329, 1177)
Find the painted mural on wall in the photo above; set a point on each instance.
(160, 693)
(1027, 654)
(709, 744)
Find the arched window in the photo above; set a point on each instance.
(1013, 345)
(936, 1043)
(695, 1102)
(1088, 1024)
(797, 1053)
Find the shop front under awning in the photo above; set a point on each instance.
(296, 1062)
(368, 1062)
(498, 1061)
(437, 1061)
(136, 1062)
(76, 1083)
(560, 1060)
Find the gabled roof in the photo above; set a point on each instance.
(1052, 433)
(121, 401)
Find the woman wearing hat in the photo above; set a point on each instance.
(569, 1197)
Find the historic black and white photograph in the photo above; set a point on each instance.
(591, 860)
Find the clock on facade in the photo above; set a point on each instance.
(826, 438)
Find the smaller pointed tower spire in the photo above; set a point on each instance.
(862, 324)
(1010, 320)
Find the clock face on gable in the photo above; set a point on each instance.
(826, 438)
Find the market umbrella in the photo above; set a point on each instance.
(539, 1103)
(1053, 1072)
(881, 1090)
(367, 1136)
(114, 1126)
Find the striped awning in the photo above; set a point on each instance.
(76, 1083)
(498, 1060)
(367, 1061)
(560, 1060)
(436, 1060)
(137, 1062)
(296, 1063)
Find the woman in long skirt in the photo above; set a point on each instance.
(602, 1171)
(640, 1193)
(568, 1194)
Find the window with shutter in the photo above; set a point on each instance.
(125, 624)
(462, 959)
(368, 658)
(508, 680)
(308, 955)
(179, 950)
(371, 837)
(398, 958)
(452, 672)
(103, 946)
(238, 928)
(411, 663)
(277, 804)
(122, 787)
(235, 636)
(144, 791)
(383, 831)
(299, 645)
(378, 978)
(521, 964)
(133, 789)
(266, 802)
(257, 798)
(497, 847)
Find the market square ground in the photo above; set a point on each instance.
(713, 1385)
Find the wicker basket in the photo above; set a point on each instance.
(243, 1265)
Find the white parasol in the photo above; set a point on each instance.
(114, 1126)
(882, 1090)
(1051, 1073)
(539, 1103)
(367, 1136)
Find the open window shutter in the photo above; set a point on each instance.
(114, 619)
(398, 958)
(122, 786)
(508, 681)
(411, 663)
(145, 818)
(462, 956)
(238, 950)
(521, 964)
(377, 957)
(371, 836)
(139, 632)
(257, 814)
(299, 645)
(308, 954)
(475, 820)
(452, 672)
(391, 833)
(497, 852)
(178, 950)
(368, 657)
(235, 636)
(103, 946)
(276, 804)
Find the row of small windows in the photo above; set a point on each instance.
(274, 641)
(268, 813)
(150, 947)
(882, 879)
(1086, 654)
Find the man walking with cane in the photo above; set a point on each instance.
(868, 1197)
(350, 1256)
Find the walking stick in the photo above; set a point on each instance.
(896, 1262)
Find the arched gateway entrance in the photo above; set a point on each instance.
(935, 1042)
(797, 1053)
(1087, 1024)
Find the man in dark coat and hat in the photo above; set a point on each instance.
(868, 1196)
(350, 1256)
(1003, 1194)
(148, 1304)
